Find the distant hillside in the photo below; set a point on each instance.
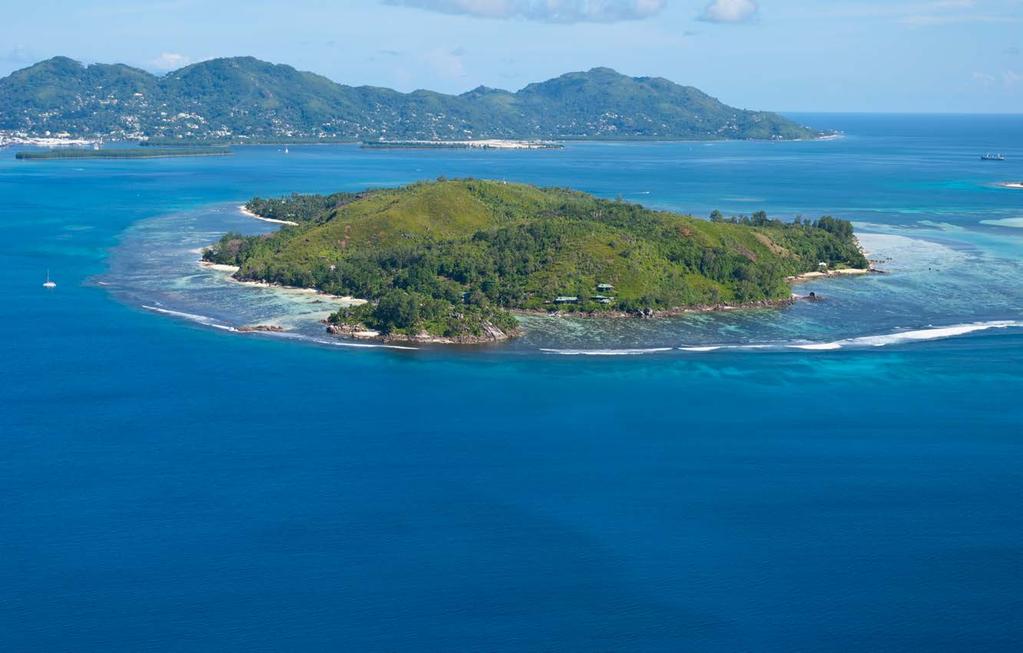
(448, 258)
(245, 98)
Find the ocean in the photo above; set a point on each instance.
(842, 475)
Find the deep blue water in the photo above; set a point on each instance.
(168, 486)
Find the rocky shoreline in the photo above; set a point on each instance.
(494, 335)
(491, 335)
(257, 328)
(650, 313)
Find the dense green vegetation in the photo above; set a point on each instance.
(246, 100)
(449, 257)
(127, 153)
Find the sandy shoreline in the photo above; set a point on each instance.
(229, 270)
(481, 144)
(249, 214)
(840, 272)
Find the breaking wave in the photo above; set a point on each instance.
(206, 320)
(365, 345)
(201, 319)
(917, 335)
(605, 352)
(883, 340)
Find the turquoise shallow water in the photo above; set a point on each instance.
(166, 485)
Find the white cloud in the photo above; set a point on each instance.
(953, 4)
(930, 20)
(950, 12)
(984, 78)
(18, 54)
(549, 11)
(1009, 78)
(729, 11)
(170, 61)
(447, 63)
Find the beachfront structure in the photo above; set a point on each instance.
(602, 299)
(605, 287)
(566, 299)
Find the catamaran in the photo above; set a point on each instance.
(48, 283)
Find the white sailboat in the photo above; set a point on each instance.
(48, 283)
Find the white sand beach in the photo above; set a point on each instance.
(807, 276)
(244, 211)
(229, 270)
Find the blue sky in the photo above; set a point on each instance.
(790, 55)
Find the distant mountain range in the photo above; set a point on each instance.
(244, 98)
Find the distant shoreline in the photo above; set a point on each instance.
(553, 143)
(481, 144)
(78, 154)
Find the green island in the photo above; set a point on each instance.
(452, 260)
(125, 153)
(245, 100)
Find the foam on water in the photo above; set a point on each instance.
(206, 320)
(1016, 223)
(604, 352)
(821, 346)
(881, 340)
(366, 345)
(201, 319)
(916, 335)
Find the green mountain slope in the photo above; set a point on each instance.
(243, 97)
(458, 254)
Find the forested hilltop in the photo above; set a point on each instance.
(244, 99)
(451, 258)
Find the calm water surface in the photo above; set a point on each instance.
(165, 485)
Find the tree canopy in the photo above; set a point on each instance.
(451, 256)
